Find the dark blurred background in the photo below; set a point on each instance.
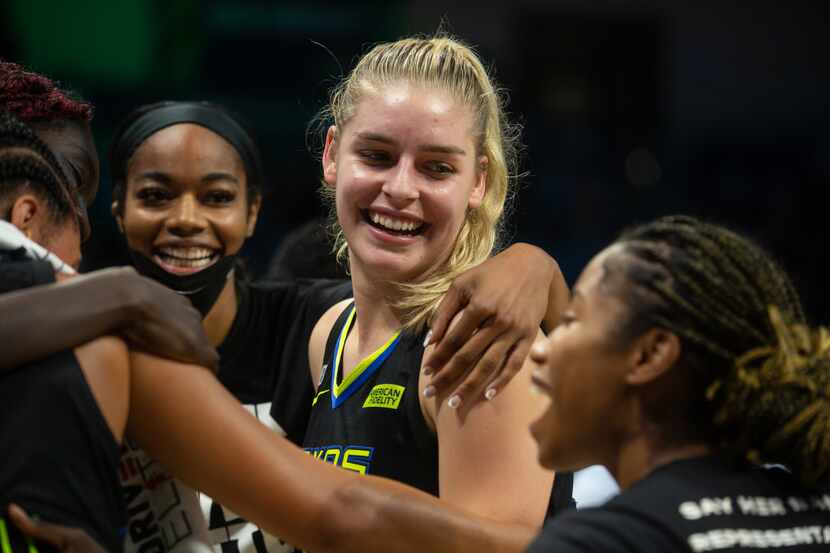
(632, 109)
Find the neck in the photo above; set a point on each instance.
(218, 321)
(651, 447)
(376, 319)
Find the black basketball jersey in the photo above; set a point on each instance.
(371, 422)
(58, 454)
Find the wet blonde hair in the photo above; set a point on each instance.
(444, 63)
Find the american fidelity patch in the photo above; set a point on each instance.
(387, 396)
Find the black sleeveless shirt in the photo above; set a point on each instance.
(375, 425)
(371, 421)
(59, 456)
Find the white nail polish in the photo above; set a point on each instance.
(429, 391)
(490, 393)
(427, 338)
(454, 402)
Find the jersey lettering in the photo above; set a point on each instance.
(354, 458)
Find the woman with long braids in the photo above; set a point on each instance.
(683, 364)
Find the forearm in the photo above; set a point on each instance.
(375, 514)
(37, 322)
(558, 296)
(550, 273)
(184, 418)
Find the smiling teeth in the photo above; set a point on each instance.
(394, 224)
(187, 253)
(187, 257)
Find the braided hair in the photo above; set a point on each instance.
(35, 98)
(761, 374)
(26, 161)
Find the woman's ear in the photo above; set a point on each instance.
(253, 213)
(330, 157)
(656, 352)
(115, 209)
(24, 214)
(480, 187)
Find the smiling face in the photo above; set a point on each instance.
(583, 373)
(185, 202)
(405, 169)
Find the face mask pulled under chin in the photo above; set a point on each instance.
(201, 288)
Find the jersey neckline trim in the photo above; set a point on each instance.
(340, 392)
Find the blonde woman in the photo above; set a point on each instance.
(417, 163)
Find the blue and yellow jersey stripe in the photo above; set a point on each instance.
(340, 392)
(6, 541)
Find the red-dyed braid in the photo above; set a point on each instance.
(35, 98)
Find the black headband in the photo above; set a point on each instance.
(167, 114)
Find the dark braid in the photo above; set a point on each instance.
(26, 161)
(764, 374)
(34, 98)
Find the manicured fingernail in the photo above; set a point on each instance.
(428, 371)
(454, 402)
(427, 338)
(429, 391)
(490, 393)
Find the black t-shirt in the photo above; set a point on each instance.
(261, 358)
(697, 505)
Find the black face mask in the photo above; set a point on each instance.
(201, 288)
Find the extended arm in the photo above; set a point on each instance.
(43, 320)
(215, 445)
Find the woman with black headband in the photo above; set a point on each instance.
(187, 183)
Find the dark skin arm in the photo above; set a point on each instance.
(496, 310)
(43, 320)
(216, 446)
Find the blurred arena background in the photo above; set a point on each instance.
(631, 108)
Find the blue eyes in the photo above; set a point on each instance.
(380, 158)
(443, 168)
(375, 156)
